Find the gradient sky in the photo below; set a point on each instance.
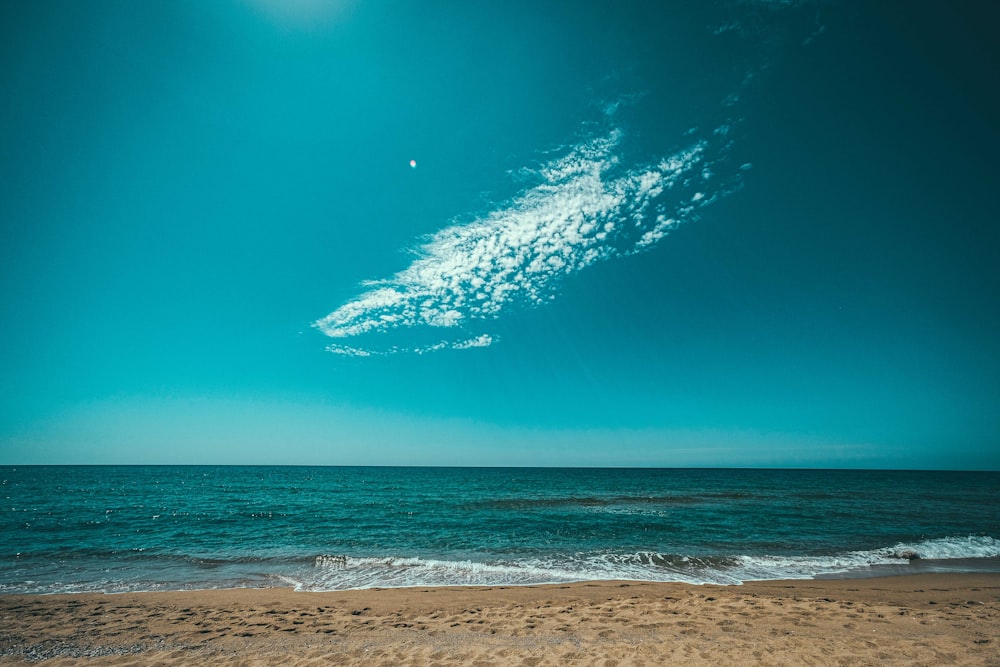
(671, 234)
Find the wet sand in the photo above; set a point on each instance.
(927, 619)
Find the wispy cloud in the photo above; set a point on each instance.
(585, 207)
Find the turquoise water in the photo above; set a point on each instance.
(172, 528)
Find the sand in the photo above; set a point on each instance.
(930, 619)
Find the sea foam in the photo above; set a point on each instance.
(343, 572)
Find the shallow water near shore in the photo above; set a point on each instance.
(136, 528)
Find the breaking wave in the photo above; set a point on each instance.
(344, 572)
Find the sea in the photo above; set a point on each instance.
(153, 528)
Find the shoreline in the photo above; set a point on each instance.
(925, 618)
(911, 568)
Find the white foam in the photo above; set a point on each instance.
(341, 572)
(337, 573)
(972, 546)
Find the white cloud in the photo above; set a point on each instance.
(484, 340)
(584, 208)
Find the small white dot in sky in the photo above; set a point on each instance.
(413, 164)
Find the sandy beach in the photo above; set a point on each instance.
(928, 619)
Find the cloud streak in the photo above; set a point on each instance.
(585, 207)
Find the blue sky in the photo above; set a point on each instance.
(697, 234)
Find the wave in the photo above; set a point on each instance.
(344, 572)
(159, 572)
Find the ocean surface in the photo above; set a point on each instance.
(128, 528)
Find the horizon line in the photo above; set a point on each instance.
(488, 467)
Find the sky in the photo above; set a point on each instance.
(689, 233)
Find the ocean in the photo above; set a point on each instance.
(145, 528)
